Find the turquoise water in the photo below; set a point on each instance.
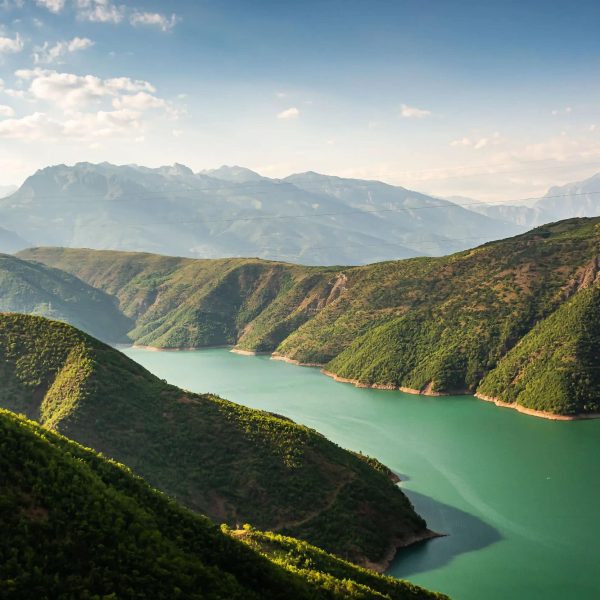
(518, 496)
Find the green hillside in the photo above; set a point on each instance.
(183, 302)
(76, 525)
(36, 289)
(554, 368)
(433, 325)
(234, 464)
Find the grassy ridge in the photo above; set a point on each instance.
(78, 525)
(319, 566)
(435, 325)
(229, 462)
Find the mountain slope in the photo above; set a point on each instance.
(431, 325)
(180, 302)
(36, 289)
(77, 525)
(233, 211)
(431, 225)
(232, 463)
(554, 368)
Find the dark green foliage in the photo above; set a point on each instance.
(555, 367)
(229, 462)
(332, 573)
(76, 525)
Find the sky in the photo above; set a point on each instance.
(493, 100)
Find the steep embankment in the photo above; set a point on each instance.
(430, 325)
(554, 368)
(34, 288)
(229, 462)
(77, 525)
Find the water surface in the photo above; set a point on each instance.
(518, 496)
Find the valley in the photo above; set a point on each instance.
(455, 324)
(299, 300)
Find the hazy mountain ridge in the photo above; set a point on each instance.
(577, 199)
(232, 211)
(34, 288)
(11, 242)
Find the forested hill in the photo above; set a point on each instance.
(235, 464)
(433, 325)
(76, 525)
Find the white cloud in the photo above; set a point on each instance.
(54, 6)
(48, 54)
(465, 141)
(31, 127)
(20, 94)
(567, 110)
(478, 143)
(79, 126)
(67, 90)
(411, 112)
(10, 4)
(139, 101)
(82, 107)
(6, 111)
(154, 20)
(11, 45)
(99, 11)
(289, 113)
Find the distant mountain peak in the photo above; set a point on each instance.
(233, 174)
(311, 175)
(176, 169)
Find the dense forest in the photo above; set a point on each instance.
(77, 525)
(232, 463)
(430, 325)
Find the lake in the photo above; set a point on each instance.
(517, 496)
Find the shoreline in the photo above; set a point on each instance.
(383, 386)
(248, 352)
(379, 386)
(537, 413)
(293, 361)
(181, 349)
(383, 565)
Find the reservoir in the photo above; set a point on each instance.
(517, 496)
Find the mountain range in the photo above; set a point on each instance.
(579, 199)
(231, 212)
(432, 325)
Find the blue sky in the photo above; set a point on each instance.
(493, 100)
